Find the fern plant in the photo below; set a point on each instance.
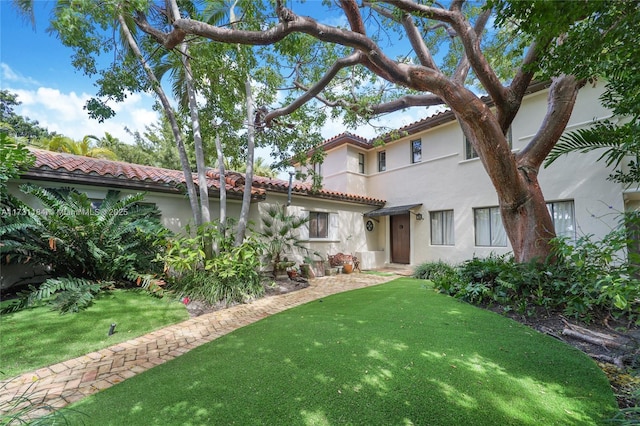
(79, 244)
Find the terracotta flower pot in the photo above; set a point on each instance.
(347, 268)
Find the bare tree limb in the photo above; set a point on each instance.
(406, 102)
(315, 90)
(461, 72)
(352, 11)
(470, 40)
(415, 38)
(437, 13)
(377, 62)
(169, 41)
(561, 99)
(417, 42)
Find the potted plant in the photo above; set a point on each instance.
(306, 271)
(292, 272)
(316, 266)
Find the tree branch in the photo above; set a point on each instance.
(350, 8)
(169, 41)
(438, 14)
(562, 97)
(470, 40)
(406, 102)
(417, 42)
(415, 38)
(461, 72)
(523, 76)
(377, 62)
(315, 90)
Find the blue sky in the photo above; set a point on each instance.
(35, 65)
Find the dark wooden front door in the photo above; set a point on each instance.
(400, 237)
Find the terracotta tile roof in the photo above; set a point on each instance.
(305, 189)
(445, 117)
(61, 167)
(412, 128)
(342, 139)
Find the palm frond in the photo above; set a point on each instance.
(617, 141)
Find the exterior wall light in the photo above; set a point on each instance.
(419, 216)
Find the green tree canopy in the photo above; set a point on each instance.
(17, 125)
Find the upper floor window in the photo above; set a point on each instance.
(470, 152)
(382, 161)
(318, 225)
(442, 228)
(317, 169)
(361, 163)
(563, 218)
(489, 230)
(416, 151)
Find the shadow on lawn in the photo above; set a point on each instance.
(391, 354)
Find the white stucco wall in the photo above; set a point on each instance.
(444, 180)
(347, 233)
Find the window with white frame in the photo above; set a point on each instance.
(416, 151)
(382, 161)
(489, 230)
(361, 163)
(317, 169)
(470, 152)
(318, 225)
(442, 228)
(563, 218)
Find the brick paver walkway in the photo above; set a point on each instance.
(60, 384)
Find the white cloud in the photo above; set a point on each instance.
(382, 124)
(8, 75)
(64, 113)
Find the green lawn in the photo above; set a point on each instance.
(394, 354)
(38, 337)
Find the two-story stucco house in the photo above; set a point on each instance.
(421, 197)
(440, 203)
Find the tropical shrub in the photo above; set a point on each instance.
(280, 236)
(84, 248)
(434, 271)
(230, 275)
(14, 156)
(582, 278)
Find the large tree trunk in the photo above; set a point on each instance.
(528, 224)
(523, 209)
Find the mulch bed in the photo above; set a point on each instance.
(272, 287)
(613, 344)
